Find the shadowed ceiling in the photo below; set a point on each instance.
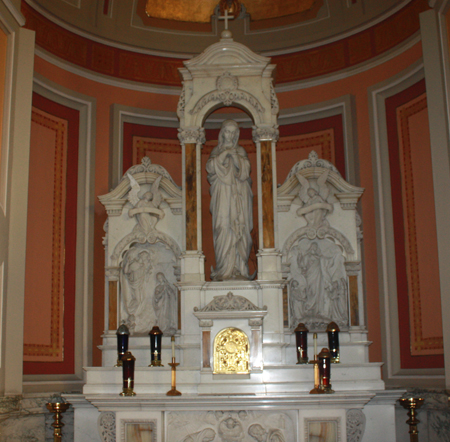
(266, 26)
(200, 11)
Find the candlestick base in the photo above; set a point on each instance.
(156, 364)
(327, 390)
(173, 392)
(128, 392)
(316, 390)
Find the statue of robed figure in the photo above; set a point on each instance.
(231, 206)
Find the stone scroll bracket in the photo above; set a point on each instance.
(192, 266)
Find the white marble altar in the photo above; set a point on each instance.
(309, 270)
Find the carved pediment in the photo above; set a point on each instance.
(228, 54)
(310, 171)
(144, 173)
(229, 302)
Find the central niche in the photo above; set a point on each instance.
(231, 352)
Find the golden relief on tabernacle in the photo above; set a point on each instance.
(200, 11)
(231, 352)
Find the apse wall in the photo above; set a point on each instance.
(343, 117)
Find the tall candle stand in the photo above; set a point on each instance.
(412, 404)
(57, 408)
(173, 391)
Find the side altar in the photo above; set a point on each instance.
(234, 335)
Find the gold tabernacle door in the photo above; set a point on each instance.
(231, 352)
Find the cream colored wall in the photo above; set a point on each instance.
(13, 200)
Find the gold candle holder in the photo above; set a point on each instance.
(412, 404)
(173, 391)
(57, 408)
(315, 362)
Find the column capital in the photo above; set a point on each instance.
(265, 132)
(192, 135)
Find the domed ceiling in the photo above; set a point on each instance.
(146, 41)
(183, 28)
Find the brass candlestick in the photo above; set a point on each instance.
(412, 404)
(315, 362)
(57, 408)
(173, 391)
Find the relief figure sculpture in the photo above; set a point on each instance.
(135, 274)
(230, 430)
(228, 170)
(165, 304)
(297, 300)
(206, 435)
(313, 266)
(318, 284)
(314, 203)
(145, 208)
(148, 296)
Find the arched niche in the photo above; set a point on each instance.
(227, 74)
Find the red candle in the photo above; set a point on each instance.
(325, 368)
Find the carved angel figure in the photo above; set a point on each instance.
(314, 207)
(230, 430)
(146, 209)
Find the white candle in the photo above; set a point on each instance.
(173, 347)
(315, 346)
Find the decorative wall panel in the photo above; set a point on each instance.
(413, 207)
(51, 239)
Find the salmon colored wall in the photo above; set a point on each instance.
(356, 85)
(49, 314)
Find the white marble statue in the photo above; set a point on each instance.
(145, 208)
(165, 304)
(231, 206)
(318, 284)
(315, 207)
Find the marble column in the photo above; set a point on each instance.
(269, 257)
(192, 259)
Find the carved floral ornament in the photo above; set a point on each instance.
(193, 135)
(265, 133)
(229, 302)
(227, 92)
